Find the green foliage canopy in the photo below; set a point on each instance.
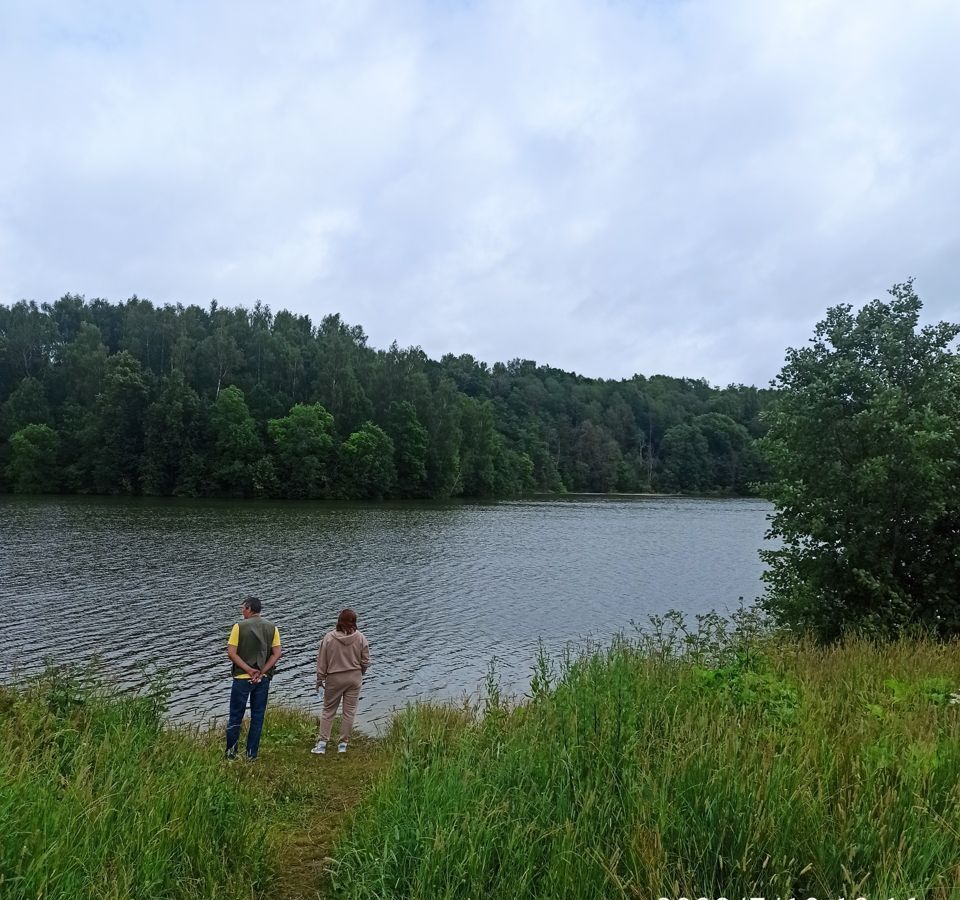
(366, 460)
(303, 448)
(865, 450)
(33, 463)
(235, 440)
(217, 401)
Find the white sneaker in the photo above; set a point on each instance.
(342, 747)
(321, 748)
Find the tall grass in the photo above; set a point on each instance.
(98, 800)
(694, 763)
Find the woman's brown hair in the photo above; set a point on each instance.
(347, 621)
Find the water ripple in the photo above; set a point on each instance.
(151, 587)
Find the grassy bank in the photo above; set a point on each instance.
(675, 765)
(96, 799)
(99, 799)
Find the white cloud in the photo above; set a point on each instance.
(608, 187)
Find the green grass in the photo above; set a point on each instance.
(673, 764)
(678, 764)
(305, 799)
(97, 799)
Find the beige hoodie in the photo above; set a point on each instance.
(341, 652)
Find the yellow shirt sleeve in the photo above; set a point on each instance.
(234, 639)
(276, 637)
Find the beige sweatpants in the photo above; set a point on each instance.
(340, 685)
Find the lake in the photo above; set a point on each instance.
(440, 589)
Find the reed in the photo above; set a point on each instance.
(682, 761)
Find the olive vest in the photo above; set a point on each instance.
(255, 644)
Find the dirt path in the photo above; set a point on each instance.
(310, 798)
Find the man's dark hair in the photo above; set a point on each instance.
(253, 604)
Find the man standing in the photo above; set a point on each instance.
(253, 648)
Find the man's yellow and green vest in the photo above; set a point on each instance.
(254, 639)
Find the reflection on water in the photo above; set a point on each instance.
(440, 589)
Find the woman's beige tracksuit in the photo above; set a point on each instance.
(341, 662)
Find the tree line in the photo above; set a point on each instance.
(136, 398)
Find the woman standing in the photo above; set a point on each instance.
(342, 660)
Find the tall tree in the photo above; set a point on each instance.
(597, 458)
(410, 442)
(67, 314)
(172, 462)
(685, 459)
(478, 448)
(236, 445)
(85, 365)
(340, 351)
(366, 463)
(120, 409)
(303, 446)
(865, 452)
(732, 465)
(33, 460)
(27, 405)
(28, 336)
(443, 454)
(221, 353)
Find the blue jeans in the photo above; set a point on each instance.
(241, 691)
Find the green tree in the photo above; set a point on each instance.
(478, 448)
(27, 405)
(120, 409)
(27, 338)
(597, 458)
(85, 364)
(536, 448)
(33, 460)
(221, 356)
(171, 461)
(865, 453)
(67, 314)
(410, 441)
(482, 422)
(733, 460)
(443, 453)
(366, 463)
(302, 445)
(340, 349)
(685, 459)
(236, 445)
(79, 449)
(513, 471)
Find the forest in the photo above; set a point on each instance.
(136, 398)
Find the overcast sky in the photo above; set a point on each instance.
(608, 187)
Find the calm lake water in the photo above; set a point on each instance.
(440, 589)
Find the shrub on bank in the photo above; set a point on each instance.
(97, 799)
(702, 764)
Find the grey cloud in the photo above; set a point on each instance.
(609, 188)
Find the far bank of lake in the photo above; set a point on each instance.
(441, 589)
